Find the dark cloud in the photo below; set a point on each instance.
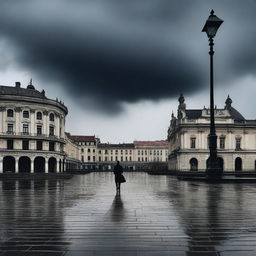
(123, 51)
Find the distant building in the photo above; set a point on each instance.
(73, 153)
(88, 150)
(109, 154)
(188, 139)
(32, 131)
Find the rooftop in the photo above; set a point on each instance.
(18, 91)
(81, 138)
(157, 143)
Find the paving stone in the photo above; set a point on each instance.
(154, 216)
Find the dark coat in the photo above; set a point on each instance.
(118, 170)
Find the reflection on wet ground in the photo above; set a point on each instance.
(154, 215)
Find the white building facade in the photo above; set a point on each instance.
(188, 139)
(32, 131)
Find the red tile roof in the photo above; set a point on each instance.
(157, 143)
(81, 138)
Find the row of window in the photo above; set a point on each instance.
(25, 145)
(142, 159)
(88, 150)
(116, 151)
(86, 143)
(25, 129)
(154, 152)
(221, 140)
(26, 114)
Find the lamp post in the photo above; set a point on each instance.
(213, 168)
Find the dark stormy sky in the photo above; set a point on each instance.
(120, 65)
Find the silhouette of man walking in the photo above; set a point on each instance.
(119, 178)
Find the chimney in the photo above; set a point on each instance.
(17, 84)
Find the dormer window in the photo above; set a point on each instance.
(9, 113)
(51, 117)
(25, 114)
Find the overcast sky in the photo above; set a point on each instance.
(120, 66)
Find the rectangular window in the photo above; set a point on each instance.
(89, 158)
(89, 150)
(25, 129)
(51, 131)
(99, 158)
(130, 158)
(222, 142)
(192, 142)
(126, 159)
(139, 159)
(111, 158)
(121, 158)
(238, 143)
(93, 150)
(99, 151)
(93, 158)
(106, 151)
(25, 114)
(82, 159)
(39, 130)
(106, 158)
(51, 146)
(25, 144)
(10, 128)
(138, 152)
(9, 144)
(39, 145)
(126, 152)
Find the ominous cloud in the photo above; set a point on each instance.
(112, 51)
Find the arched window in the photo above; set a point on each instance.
(9, 113)
(238, 164)
(25, 114)
(39, 115)
(193, 164)
(51, 117)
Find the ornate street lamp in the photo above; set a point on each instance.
(213, 168)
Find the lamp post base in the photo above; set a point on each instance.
(214, 172)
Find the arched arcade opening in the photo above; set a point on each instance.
(39, 164)
(9, 164)
(52, 164)
(24, 164)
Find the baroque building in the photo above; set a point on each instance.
(188, 139)
(32, 131)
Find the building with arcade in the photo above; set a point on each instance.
(32, 131)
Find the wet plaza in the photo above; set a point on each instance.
(155, 215)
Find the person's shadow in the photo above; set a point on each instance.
(117, 209)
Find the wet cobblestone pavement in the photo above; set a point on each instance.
(154, 216)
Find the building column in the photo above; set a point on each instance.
(16, 165)
(32, 166)
(57, 165)
(1, 165)
(64, 166)
(46, 166)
